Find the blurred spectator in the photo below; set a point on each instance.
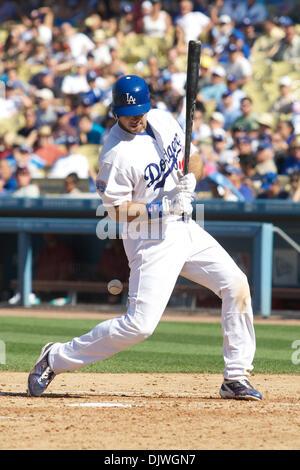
(45, 113)
(228, 109)
(248, 29)
(255, 11)
(201, 130)
(180, 46)
(237, 10)
(265, 159)
(235, 176)
(292, 163)
(94, 95)
(80, 44)
(93, 23)
(216, 121)
(248, 166)
(127, 23)
(71, 183)
(281, 149)
(6, 171)
(72, 161)
(237, 93)
(271, 188)
(265, 122)
(42, 19)
(101, 52)
(244, 147)
(62, 127)
(212, 93)
(51, 80)
(3, 192)
(23, 156)
(89, 132)
(283, 104)
(193, 23)
(206, 63)
(25, 188)
(226, 156)
(154, 79)
(221, 33)
(286, 130)
(45, 147)
(157, 22)
(295, 187)
(14, 101)
(117, 66)
(249, 117)
(237, 38)
(76, 82)
(29, 129)
(288, 48)
(264, 43)
(295, 120)
(238, 65)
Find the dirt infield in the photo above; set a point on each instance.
(146, 411)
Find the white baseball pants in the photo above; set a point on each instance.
(155, 265)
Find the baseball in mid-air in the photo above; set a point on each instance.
(115, 287)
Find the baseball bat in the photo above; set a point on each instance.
(192, 76)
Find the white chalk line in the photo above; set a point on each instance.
(100, 405)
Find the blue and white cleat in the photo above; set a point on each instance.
(41, 374)
(239, 389)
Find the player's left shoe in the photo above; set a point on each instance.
(41, 374)
(240, 390)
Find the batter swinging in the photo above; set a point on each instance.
(139, 177)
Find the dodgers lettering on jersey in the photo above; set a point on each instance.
(157, 173)
(140, 168)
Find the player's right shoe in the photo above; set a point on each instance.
(240, 390)
(41, 374)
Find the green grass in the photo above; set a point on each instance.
(174, 347)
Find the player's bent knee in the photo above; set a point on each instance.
(237, 292)
(141, 330)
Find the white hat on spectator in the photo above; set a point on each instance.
(218, 70)
(45, 94)
(225, 19)
(146, 5)
(218, 117)
(285, 81)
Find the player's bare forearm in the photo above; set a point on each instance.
(128, 211)
(196, 165)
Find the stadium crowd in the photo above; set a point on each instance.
(59, 60)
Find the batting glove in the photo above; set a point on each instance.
(179, 205)
(187, 183)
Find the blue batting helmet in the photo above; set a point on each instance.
(131, 96)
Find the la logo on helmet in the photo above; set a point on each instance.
(130, 99)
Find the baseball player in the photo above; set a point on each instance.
(139, 179)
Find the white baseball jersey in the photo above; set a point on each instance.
(142, 168)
